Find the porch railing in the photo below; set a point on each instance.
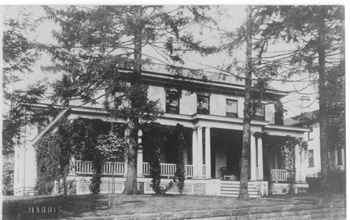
(85, 167)
(118, 168)
(167, 169)
(279, 175)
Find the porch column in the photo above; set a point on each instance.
(252, 158)
(194, 152)
(139, 155)
(199, 152)
(260, 159)
(207, 153)
(299, 174)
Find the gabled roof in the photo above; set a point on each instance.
(305, 118)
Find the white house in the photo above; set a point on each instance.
(213, 110)
(309, 119)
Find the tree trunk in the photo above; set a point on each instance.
(243, 191)
(326, 154)
(133, 122)
(131, 156)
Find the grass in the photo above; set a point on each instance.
(97, 205)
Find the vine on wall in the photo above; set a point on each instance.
(76, 138)
(156, 138)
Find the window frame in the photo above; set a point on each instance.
(311, 158)
(167, 105)
(259, 117)
(204, 112)
(232, 114)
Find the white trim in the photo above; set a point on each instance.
(48, 127)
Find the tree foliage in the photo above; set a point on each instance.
(19, 55)
(318, 35)
(102, 48)
(156, 140)
(76, 138)
(8, 178)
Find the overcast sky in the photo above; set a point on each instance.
(237, 17)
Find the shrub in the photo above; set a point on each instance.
(7, 178)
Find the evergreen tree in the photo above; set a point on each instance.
(19, 55)
(98, 44)
(318, 35)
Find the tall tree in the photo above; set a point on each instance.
(19, 55)
(99, 44)
(318, 34)
(243, 192)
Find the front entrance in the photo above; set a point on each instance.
(226, 150)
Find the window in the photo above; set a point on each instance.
(340, 157)
(202, 104)
(231, 108)
(311, 158)
(259, 112)
(172, 103)
(309, 134)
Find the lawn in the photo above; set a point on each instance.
(97, 205)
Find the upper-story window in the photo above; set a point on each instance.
(203, 104)
(172, 102)
(231, 108)
(259, 112)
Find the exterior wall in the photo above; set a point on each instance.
(313, 141)
(188, 103)
(25, 171)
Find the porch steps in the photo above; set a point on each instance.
(231, 188)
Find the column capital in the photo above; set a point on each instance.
(198, 128)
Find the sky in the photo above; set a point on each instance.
(237, 16)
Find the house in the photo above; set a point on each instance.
(309, 119)
(213, 112)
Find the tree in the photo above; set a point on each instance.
(243, 191)
(98, 44)
(318, 33)
(19, 55)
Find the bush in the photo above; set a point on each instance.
(7, 178)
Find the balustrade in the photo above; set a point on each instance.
(118, 168)
(279, 175)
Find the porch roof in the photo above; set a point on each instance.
(284, 130)
(191, 121)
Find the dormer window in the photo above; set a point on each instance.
(172, 102)
(259, 112)
(232, 108)
(203, 105)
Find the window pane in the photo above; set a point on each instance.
(259, 111)
(172, 103)
(231, 106)
(311, 158)
(203, 105)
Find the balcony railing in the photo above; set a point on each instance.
(279, 175)
(118, 168)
